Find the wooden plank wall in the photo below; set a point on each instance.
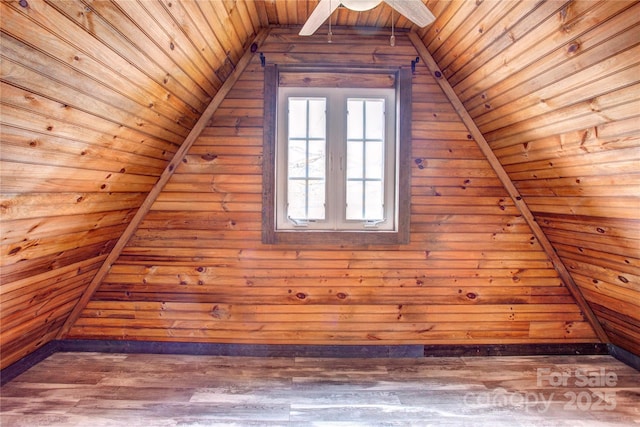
(196, 269)
(555, 89)
(96, 98)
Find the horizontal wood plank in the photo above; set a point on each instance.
(472, 260)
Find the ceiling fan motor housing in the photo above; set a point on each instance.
(360, 5)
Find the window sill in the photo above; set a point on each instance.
(350, 238)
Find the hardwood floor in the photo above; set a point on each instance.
(100, 389)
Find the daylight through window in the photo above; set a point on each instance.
(336, 159)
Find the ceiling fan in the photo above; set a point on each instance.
(414, 10)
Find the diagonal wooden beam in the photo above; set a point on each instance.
(561, 269)
(162, 181)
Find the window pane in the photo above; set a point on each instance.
(355, 159)
(317, 118)
(374, 159)
(297, 155)
(367, 205)
(354, 200)
(306, 158)
(316, 199)
(297, 118)
(296, 198)
(355, 119)
(374, 119)
(373, 208)
(317, 159)
(365, 159)
(306, 199)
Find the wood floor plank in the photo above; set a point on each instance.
(107, 389)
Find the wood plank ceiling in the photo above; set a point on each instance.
(97, 97)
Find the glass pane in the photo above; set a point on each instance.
(373, 208)
(354, 200)
(355, 119)
(316, 199)
(317, 159)
(306, 201)
(375, 119)
(297, 159)
(355, 158)
(317, 118)
(296, 199)
(297, 118)
(374, 159)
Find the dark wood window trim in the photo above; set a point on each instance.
(403, 117)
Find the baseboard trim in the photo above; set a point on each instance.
(335, 351)
(514, 350)
(624, 356)
(31, 359)
(254, 350)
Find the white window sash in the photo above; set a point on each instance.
(336, 181)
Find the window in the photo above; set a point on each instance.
(333, 163)
(335, 159)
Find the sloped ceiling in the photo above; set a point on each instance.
(97, 97)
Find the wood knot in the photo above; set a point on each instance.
(218, 312)
(209, 157)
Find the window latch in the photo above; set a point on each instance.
(299, 222)
(373, 223)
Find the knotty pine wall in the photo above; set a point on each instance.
(96, 97)
(196, 269)
(555, 89)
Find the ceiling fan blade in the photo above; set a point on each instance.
(414, 10)
(323, 10)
